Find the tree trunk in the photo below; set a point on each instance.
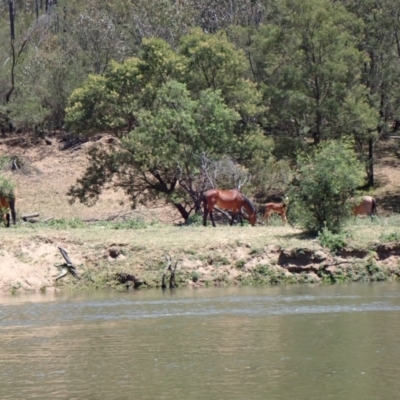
(370, 166)
(182, 211)
(11, 11)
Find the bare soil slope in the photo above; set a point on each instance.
(49, 171)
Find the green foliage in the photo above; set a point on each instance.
(213, 62)
(325, 182)
(176, 127)
(390, 237)
(7, 188)
(77, 223)
(195, 276)
(332, 241)
(310, 64)
(194, 219)
(66, 223)
(171, 133)
(4, 162)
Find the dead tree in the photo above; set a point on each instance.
(171, 269)
(67, 267)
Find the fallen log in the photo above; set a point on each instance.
(28, 216)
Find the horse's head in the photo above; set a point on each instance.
(253, 218)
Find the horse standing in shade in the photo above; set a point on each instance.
(367, 206)
(228, 199)
(8, 203)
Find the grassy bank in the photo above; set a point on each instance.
(132, 253)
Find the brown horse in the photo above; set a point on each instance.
(228, 199)
(367, 206)
(8, 203)
(278, 208)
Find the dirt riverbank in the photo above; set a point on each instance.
(104, 257)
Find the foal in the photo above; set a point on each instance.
(278, 208)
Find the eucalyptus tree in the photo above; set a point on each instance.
(98, 37)
(122, 100)
(381, 68)
(162, 153)
(309, 65)
(213, 62)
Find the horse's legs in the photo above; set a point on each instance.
(266, 216)
(205, 216)
(12, 209)
(7, 218)
(205, 211)
(235, 215)
(212, 218)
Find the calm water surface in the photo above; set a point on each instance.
(296, 342)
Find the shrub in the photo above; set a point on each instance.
(326, 180)
(332, 241)
(6, 188)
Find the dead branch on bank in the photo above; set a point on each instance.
(67, 267)
(169, 267)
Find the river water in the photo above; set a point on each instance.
(284, 342)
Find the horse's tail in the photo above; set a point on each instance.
(373, 207)
(11, 202)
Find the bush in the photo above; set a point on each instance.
(7, 188)
(332, 241)
(325, 182)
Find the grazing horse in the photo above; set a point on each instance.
(367, 206)
(228, 199)
(8, 203)
(278, 208)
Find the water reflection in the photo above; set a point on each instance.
(300, 342)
